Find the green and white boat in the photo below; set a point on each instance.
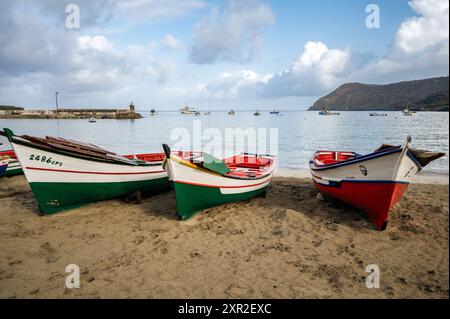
(201, 181)
(14, 167)
(65, 174)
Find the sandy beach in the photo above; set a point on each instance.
(291, 244)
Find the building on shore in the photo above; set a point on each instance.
(129, 113)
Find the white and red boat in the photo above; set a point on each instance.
(374, 182)
(201, 181)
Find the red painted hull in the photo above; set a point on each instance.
(374, 198)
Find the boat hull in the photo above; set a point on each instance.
(188, 203)
(56, 197)
(374, 198)
(197, 189)
(60, 181)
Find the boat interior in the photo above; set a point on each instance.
(244, 166)
(87, 150)
(322, 158)
(7, 154)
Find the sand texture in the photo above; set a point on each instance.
(291, 244)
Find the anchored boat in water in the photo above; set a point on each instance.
(14, 167)
(372, 182)
(187, 110)
(408, 112)
(201, 181)
(325, 111)
(65, 174)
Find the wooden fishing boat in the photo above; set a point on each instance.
(65, 174)
(201, 181)
(14, 167)
(372, 182)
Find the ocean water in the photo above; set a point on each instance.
(300, 133)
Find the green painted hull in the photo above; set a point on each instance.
(191, 198)
(56, 197)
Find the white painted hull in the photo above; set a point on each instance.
(58, 168)
(398, 167)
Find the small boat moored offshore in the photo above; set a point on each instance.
(231, 112)
(14, 167)
(378, 114)
(408, 112)
(372, 182)
(187, 110)
(325, 111)
(201, 181)
(257, 113)
(65, 174)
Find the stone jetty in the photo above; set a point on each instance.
(18, 113)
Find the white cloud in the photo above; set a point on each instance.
(98, 43)
(420, 50)
(317, 70)
(431, 28)
(233, 34)
(161, 70)
(234, 85)
(170, 42)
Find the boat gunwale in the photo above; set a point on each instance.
(183, 162)
(79, 156)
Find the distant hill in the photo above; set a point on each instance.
(10, 108)
(419, 95)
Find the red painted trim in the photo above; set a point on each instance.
(85, 172)
(216, 186)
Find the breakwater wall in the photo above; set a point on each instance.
(71, 114)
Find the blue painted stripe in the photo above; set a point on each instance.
(396, 149)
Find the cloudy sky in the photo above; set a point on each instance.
(212, 54)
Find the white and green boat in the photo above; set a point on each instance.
(65, 174)
(201, 181)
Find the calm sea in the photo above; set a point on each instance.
(300, 133)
